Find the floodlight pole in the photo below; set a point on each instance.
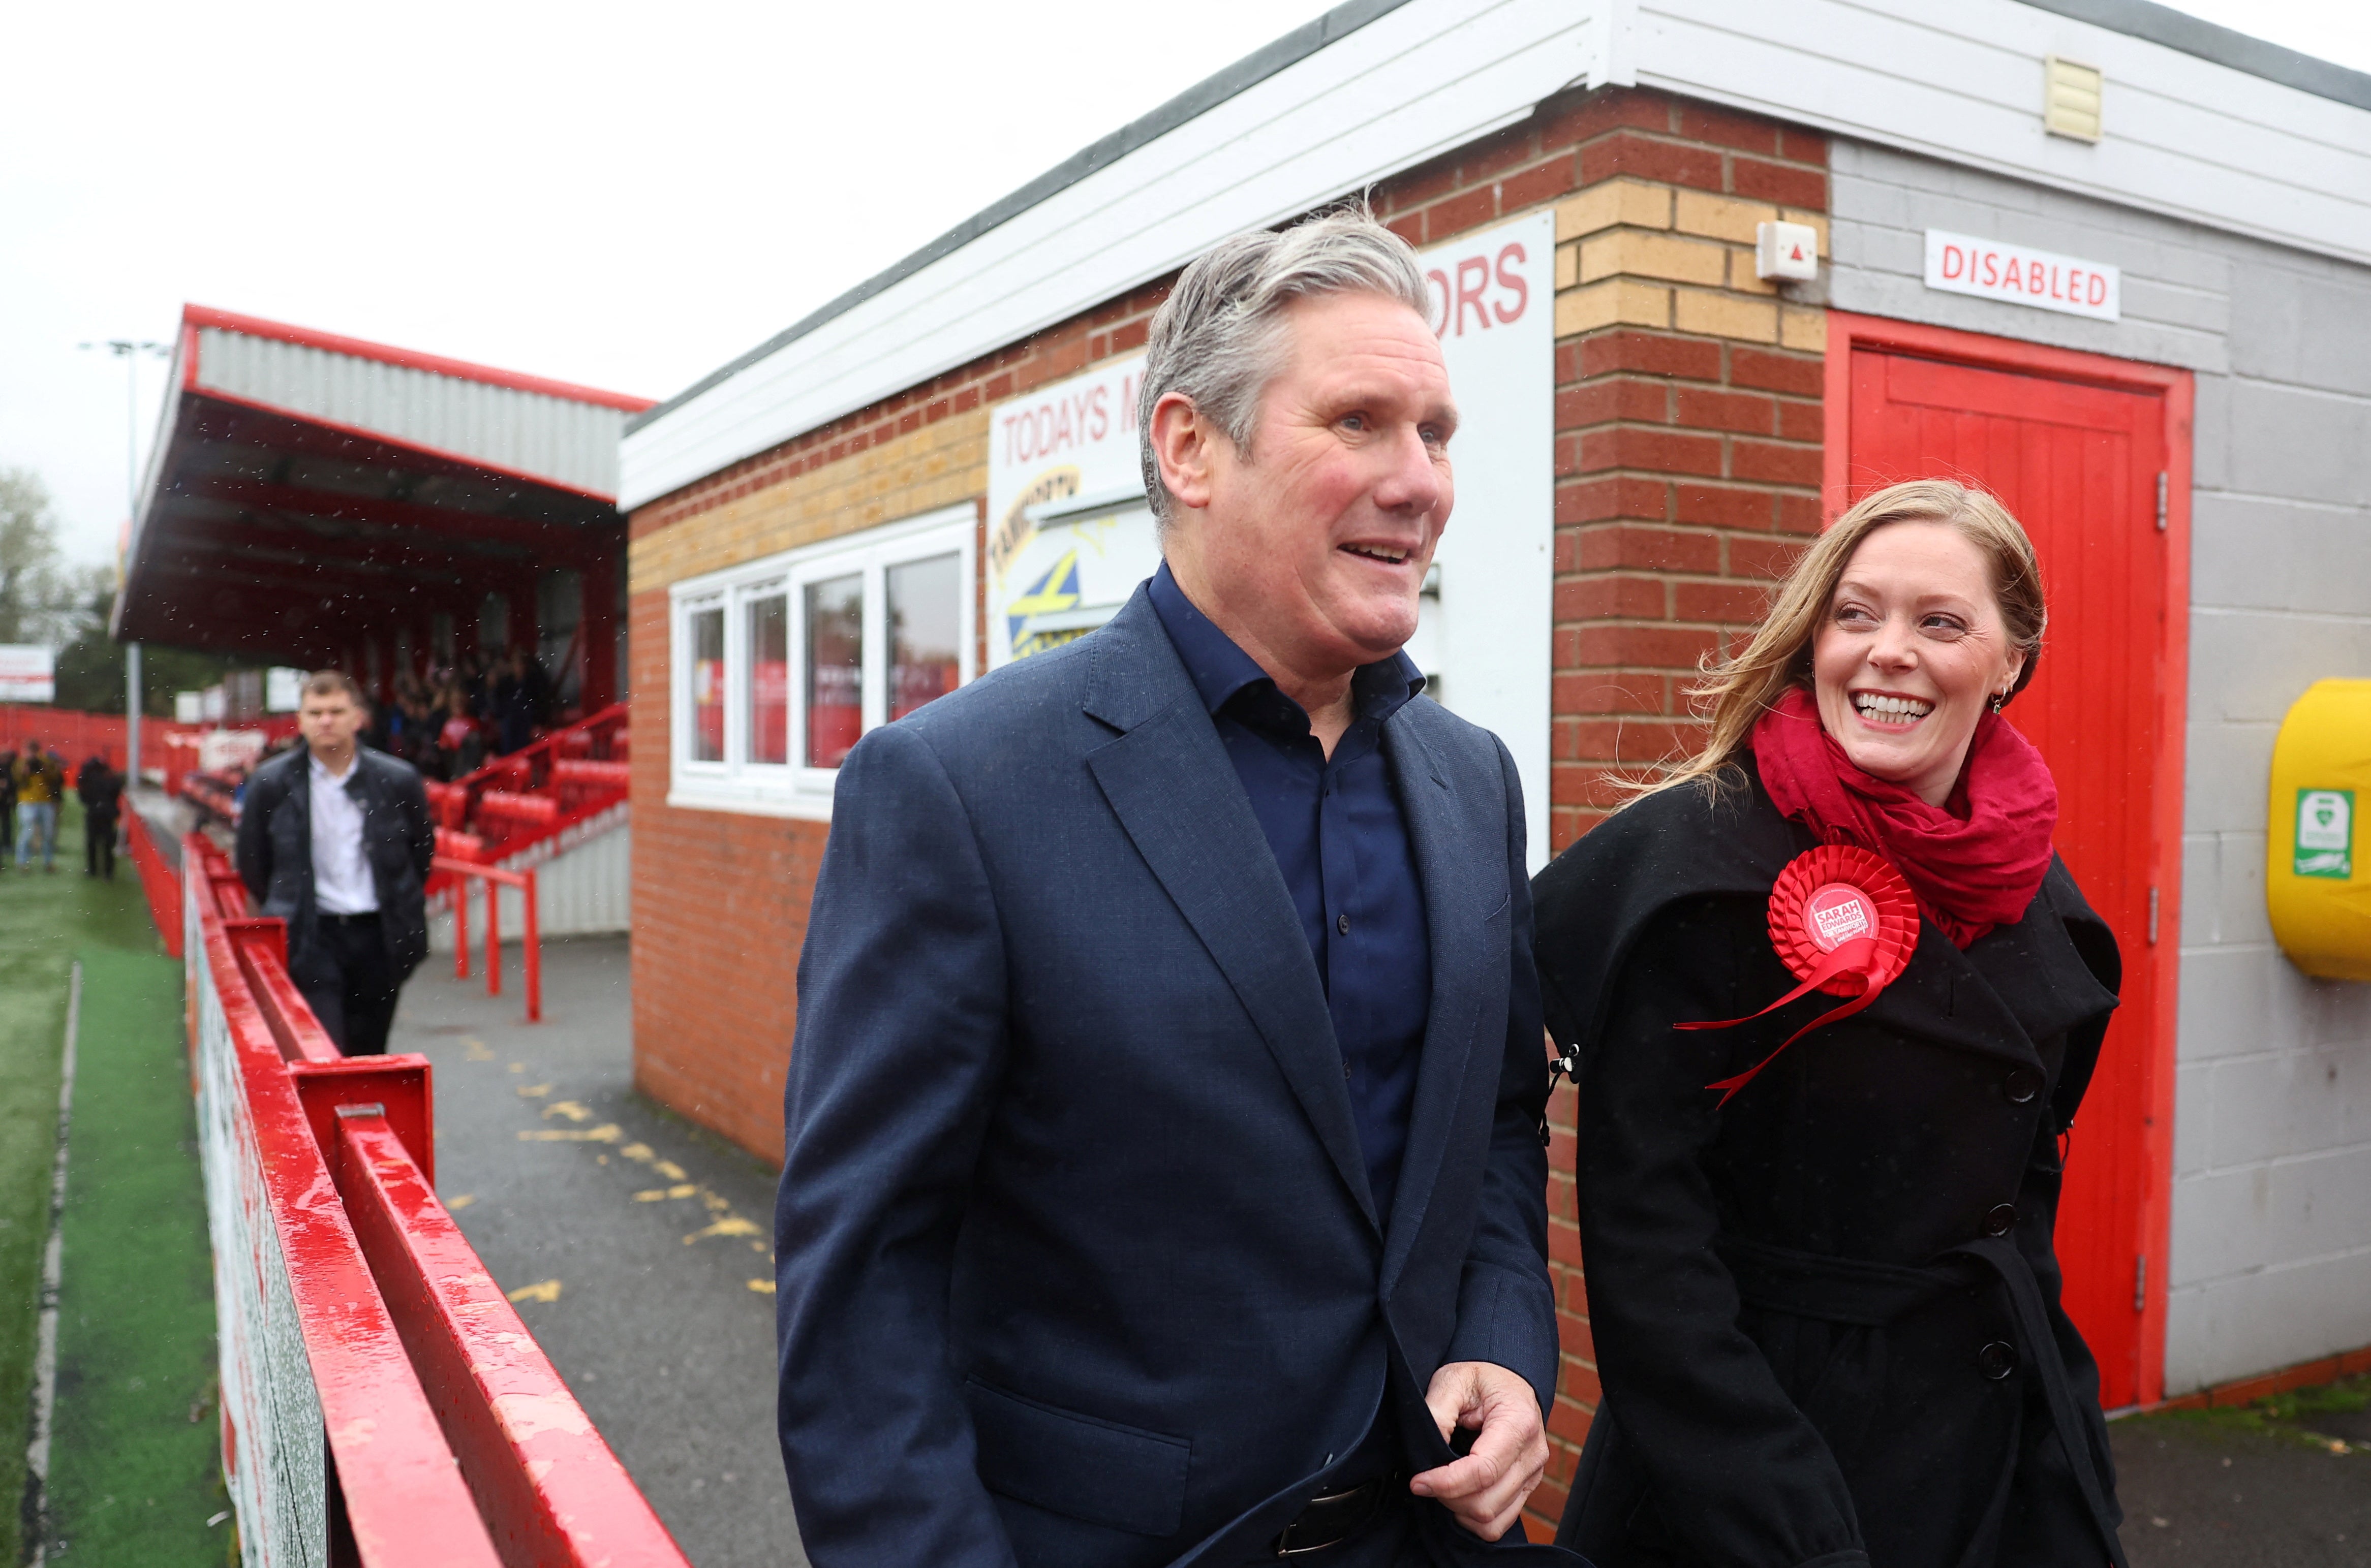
(129, 350)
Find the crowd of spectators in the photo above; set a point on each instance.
(450, 723)
(33, 783)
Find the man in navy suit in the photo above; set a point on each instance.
(1163, 1180)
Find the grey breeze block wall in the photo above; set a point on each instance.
(2271, 1259)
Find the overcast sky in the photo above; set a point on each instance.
(621, 196)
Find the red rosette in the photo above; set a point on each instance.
(1846, 922)
(1833, 895)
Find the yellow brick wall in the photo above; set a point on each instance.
(935, 466)
(1638, 253)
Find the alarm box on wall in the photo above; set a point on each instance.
(2318, 871)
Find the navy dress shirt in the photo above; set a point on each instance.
(1336, 829)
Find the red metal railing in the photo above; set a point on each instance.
(377, 1387)
(531, 954)
(524, 776)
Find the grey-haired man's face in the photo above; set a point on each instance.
(1323, 536)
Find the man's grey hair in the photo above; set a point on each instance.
(1220, 336)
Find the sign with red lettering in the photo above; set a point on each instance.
(28, 674)
(2017, 274)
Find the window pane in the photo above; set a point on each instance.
(708, 685)
(769, 678)
(925, 624)
(835, 668)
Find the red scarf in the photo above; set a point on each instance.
(1976, 862)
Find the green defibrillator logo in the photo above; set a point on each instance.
(2325, 833)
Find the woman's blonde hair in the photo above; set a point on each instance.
(1735, 692)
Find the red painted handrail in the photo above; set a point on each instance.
(550, 1488)
(450, 1438)
(531, 947)
(402, 1498)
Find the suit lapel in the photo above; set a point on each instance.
(1456, 868)
(1177, 796)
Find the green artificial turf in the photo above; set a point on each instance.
(39, 929)
(133, 1478)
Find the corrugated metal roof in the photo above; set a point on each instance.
(514, 424)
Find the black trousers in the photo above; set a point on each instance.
(99, 845)
(352, 987)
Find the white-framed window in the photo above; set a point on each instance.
(780, 664)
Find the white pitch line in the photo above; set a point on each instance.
(45, 1355)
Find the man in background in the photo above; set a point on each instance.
(40, 780)
(100, 789)
(336, 839)
(7, 805)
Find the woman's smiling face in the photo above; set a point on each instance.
(1911, 648)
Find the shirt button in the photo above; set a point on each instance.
(2022, 1085)
(1342, 924)
(1996, 1360)
(1999, 1219)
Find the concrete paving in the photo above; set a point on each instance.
(638, 1247)
(2285, 1483)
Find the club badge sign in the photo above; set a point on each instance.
(1069, 533)
(1844, 922)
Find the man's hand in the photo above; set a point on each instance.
(1486, 1488)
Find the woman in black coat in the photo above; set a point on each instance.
(1818, 1236)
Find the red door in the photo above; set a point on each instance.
(2078, 462)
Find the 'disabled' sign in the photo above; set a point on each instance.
(2016, 274)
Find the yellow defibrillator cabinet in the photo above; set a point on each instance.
(2317, 875)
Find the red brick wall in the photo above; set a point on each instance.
(720, 910)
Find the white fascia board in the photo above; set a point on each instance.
(1423, 79)
(1962, 82)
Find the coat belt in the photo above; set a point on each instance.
(1853, 1290)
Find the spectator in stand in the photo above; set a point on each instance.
(336, 839)
(459, 744)
(410, 722)
(41, 785)
(515, 714)
(7, 805)
(540, 696)
(101, 791)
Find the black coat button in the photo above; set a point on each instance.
(2022, 1085)
(1996, 1360)
(2000, 1219)
(1342, 924)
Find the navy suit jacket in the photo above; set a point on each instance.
(1077, 1264)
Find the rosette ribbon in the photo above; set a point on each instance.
(1844, 922)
